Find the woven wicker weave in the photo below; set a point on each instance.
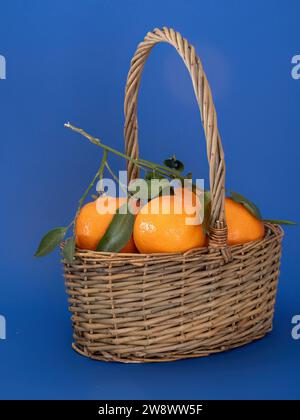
(163, 307)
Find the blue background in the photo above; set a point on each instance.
(68, 61)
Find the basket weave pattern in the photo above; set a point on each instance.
(164, 307)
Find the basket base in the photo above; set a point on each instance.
(137, 309)
(110, 358)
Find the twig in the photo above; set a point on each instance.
(122, 186)
(98, 174)
(161, 169)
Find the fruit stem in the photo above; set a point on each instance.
(161, 169)
(99, 175)
(122, 186)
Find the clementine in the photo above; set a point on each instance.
(162, 226)
(93, 221)
(242, 225)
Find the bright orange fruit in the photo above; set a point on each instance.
(93, 221)
(160, 227)
(242, 225)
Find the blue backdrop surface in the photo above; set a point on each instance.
(68, 61)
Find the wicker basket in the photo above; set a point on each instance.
(164, 307)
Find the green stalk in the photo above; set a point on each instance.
(99, 175)
(122, 186)
(161, 169)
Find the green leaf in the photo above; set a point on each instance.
(153, 175)
(118, 232)
(280, 222)
(173, 163)
(50, 241)
(69, 249)
(207, 197)
(164, 189)
(148, 191)
(249, 205)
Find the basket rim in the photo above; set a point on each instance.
(275, 230)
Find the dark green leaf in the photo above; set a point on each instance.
(149, 190)
(207, 197)
(249, 205)
(118, 232)
(280, 222)
(69, 249)
(164, 188)
(149, 175)
(50, 241)
(173, 163)
(153, 175)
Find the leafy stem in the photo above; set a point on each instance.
(122, 186)
(140, 163)
(120, 230)
(99, 174)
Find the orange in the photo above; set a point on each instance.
(93, 221)
(130, 247)
(242, 225)
(189, 197)
(156, 231)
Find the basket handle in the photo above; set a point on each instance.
(215, 154)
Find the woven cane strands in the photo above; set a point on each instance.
(164, 307)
